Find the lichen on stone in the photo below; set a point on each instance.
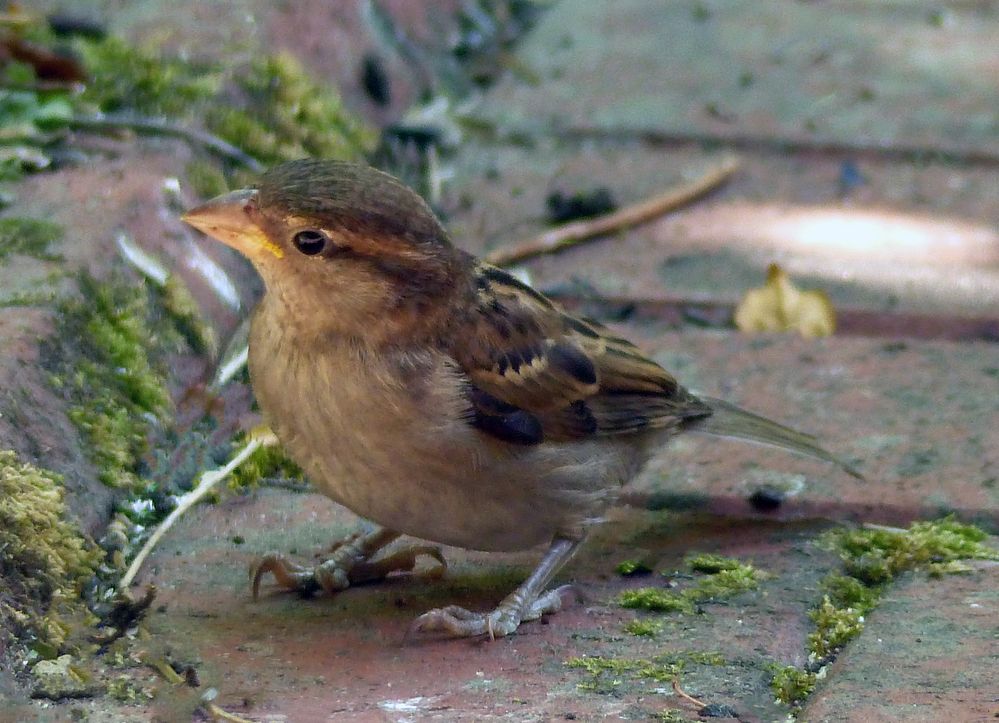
(60, 679)
(44, 558)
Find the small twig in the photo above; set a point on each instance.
(218, 713)
(687, 696)
(208, 480)
(161, 666)
(159, 126)
(572, 233)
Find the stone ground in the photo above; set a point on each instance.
(869, 143)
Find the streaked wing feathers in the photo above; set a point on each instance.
(527, 359)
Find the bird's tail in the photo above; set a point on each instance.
(728, 420)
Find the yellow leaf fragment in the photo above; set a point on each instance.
(779, 305)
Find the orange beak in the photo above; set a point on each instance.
(228, 219)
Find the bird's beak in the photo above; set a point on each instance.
(229, 218)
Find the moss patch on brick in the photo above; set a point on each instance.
(730, 578)
(268, 107)
(792, 685)
(44, 558)
(872, 557)
(282, 114)
(116, 390)
(607, 674)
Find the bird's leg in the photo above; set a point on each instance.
(350, 563)
(527, 602)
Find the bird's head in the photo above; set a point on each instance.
(341, 247)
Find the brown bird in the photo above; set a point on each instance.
(436, 395)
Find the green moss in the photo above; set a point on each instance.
(270, 108)
(849, 592)
(187, 317)
(126, 689)
(711, 563)
(873, 557)
(632, 567)
(128, 78)
(726, 583)
(656, 599)
(265, 463)
(44, 559)
(29, 237)
(284, 115)
(116, 393)
(736, 577)
(877, 555)
(607, 674)
(644, 628)
(792, 685)
(834, 627)
(705, 658)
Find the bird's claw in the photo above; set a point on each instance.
(287, 574)
(458, 622)
(341, 570)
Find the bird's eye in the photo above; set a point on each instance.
(310, 241)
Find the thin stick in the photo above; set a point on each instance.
(159, 126)
(218, 713)
(208, 480)
(687, 696)
(573, 233)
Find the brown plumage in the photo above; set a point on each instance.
(436, 395)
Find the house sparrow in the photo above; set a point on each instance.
(436, 395)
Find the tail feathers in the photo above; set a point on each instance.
(728, 420)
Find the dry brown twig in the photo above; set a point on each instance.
(573, 233)
(687, 696)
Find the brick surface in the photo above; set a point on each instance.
(881, 73)
(928, 653)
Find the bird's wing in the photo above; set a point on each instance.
(537, 373)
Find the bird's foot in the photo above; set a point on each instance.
(348, 565)
(458, 622)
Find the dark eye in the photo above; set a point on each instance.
(310, 242)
